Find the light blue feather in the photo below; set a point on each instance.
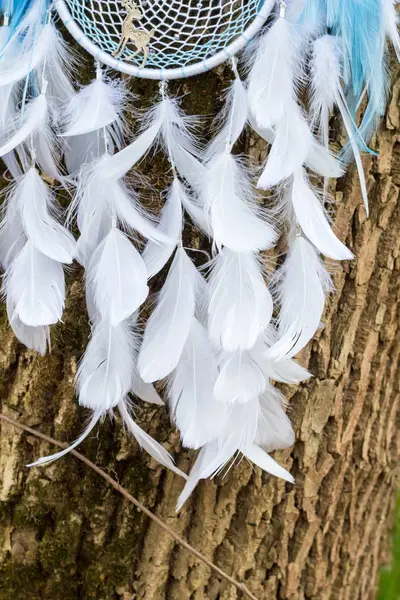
(359, 25)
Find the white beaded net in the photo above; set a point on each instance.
(179, 32)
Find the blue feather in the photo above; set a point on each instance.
(20, 8)
(359, 25)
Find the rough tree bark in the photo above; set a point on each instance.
(64, 534)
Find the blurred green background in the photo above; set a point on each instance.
(389, 583)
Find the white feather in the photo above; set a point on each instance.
(286, 371)
(12, 165)
(12, 236)
(97, 105)
(30, 56)
(36, 203)
(127, 207)
(95, 203)
(327, 73)
(121, 162)
(237, 221)
(319, 159)
(233, 117)
(35, 338)
(194, 411)
(323, 162)
(47, 153)
(59, 69)
(84, 149)
(179, 143)
(94, 217)
(274, 429)
(156, 255)
(168, 327)
(206, 455)
(117, 278)
(195, 208)
(34, 284)
(260, 458)
(240, 306)
(145, 391)
(239, 434)
(304, 283)
(34, 119)
(312, 220)
(238, 429)
(45, 460)
(112, 196)
(391, 23)
(146, 441)
(105, 374)
(289, 150)
(240, 379)
(275, 73)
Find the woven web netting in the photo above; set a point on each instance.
(183, 31)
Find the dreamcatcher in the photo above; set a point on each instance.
(218, 336)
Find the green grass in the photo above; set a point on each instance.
(389, 582)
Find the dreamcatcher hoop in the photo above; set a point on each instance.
(210, 55)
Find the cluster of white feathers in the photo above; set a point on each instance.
(217, 336)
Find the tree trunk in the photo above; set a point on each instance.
(65, 534)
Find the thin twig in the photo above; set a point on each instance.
(139, 505)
